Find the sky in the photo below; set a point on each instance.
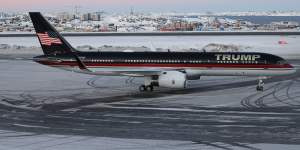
(150, 5)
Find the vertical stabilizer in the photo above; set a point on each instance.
(51, 41)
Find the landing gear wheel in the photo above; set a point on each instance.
(260, 88)
(142, 88)
(149, 88)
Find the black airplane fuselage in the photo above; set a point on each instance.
(105, 62)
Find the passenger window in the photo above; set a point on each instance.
(54, 59)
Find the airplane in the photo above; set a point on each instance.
(159, 69)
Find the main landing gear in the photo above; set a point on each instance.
(149, 83)
(144, 88)
(260, 86)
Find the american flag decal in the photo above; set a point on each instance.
(48, 38)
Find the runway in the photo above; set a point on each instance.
(39, 103)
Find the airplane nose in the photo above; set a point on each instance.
(291, 68)
(288, 66)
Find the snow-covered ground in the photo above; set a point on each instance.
(268, 44)
(189, 120)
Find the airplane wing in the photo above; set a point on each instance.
(140, 73)
(147, 72)
(136, 73)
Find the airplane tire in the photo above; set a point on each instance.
(260, 88)
(142, 88)
(149, 88)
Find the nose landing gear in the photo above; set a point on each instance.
(260, 86)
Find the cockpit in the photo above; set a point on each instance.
(282, 62)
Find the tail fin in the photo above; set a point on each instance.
(51, 41)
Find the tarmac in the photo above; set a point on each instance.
(48, 108)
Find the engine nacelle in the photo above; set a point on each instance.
(172, 79)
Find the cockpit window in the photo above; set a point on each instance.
(282, 62)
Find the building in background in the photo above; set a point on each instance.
(151, 22)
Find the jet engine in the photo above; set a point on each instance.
(172, 79)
